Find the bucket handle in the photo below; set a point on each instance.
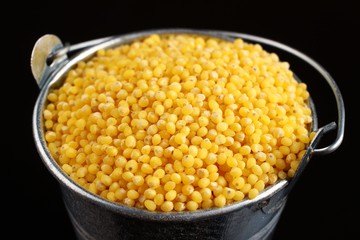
(335, 89)
(49, 53)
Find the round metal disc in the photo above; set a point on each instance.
(42, 49)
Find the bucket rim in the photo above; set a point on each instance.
(67, 182)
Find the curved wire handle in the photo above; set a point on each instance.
(339, 100)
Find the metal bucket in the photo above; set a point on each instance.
(95, 218)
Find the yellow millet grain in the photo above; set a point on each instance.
(179, 122)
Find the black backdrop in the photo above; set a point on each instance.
(323, 203)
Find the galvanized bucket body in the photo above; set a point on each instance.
(96, 218)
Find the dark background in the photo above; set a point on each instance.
(323, 204)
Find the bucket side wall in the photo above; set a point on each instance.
(94, 221)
